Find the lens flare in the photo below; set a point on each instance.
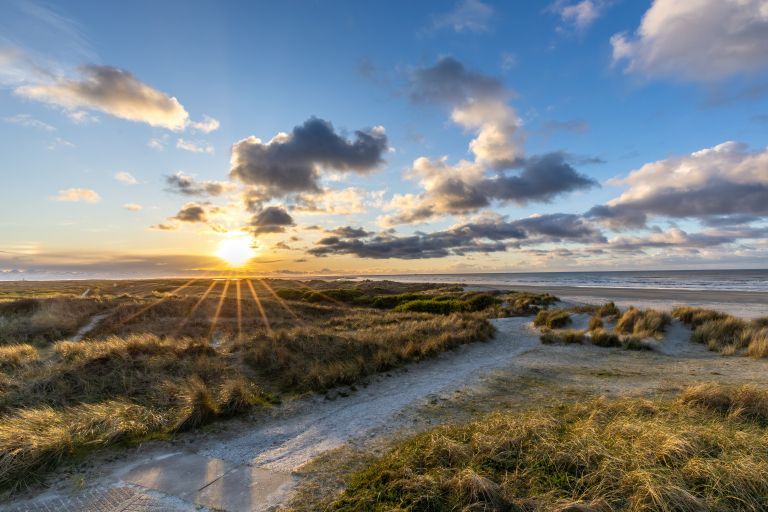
(235, 250)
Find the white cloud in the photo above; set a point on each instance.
(207, 125)
(86, 195)
(194, 146)
(697, 40)
(580, 15)
(132, 207)
(28, 121)
(157, 143)
(467, 16)
(126, 177)
(59, 143)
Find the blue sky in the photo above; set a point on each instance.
(609, 86)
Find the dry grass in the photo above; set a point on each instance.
(163, 362)
(725, 333)
(552, 319)
(41, 321)
(17, 356)
(643, 322)
(627, 454)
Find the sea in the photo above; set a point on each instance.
(704, 280)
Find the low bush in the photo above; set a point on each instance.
(527, 303)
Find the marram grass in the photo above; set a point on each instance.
(707, 450)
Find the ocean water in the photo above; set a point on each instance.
(725, 280)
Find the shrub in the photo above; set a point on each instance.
(526, 303)
(392, 301)
(440, 307)
(553, 319)
(290, 293)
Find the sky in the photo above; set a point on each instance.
(171, 138)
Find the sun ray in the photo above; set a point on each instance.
(156, 303)
(194, 308)
(281, 301)
(324, 295)
(220, 305)
(239, 310)
(260, 307)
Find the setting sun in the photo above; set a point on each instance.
(236, 250)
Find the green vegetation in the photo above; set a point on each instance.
(175, 355)
(706, 451)
(527, 303)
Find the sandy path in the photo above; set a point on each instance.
(294, 434)
(91, 325)
(321, 425)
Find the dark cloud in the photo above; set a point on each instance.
(191, 213)
(542, 179)
(449, 82)
(455, 191)
(492, 236)
(291, 163)
(273, 219)
(181, 183)
(723, 181)
(713, 199)
(350, 232)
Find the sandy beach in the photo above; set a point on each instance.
(740, 303)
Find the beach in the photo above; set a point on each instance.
(744, 304)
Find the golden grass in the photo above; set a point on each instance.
(725, 333)
(45, 320)
(643, 322)
(552, 318)
(626, 454)
(16, 356)
(133, 379)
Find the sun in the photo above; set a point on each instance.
(235, 250)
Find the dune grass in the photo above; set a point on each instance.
(164, 361)
(552, 319)
(689, 454)
(724, 333)
(643, 323)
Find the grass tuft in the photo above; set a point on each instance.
(552, 319)
(626, 454)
